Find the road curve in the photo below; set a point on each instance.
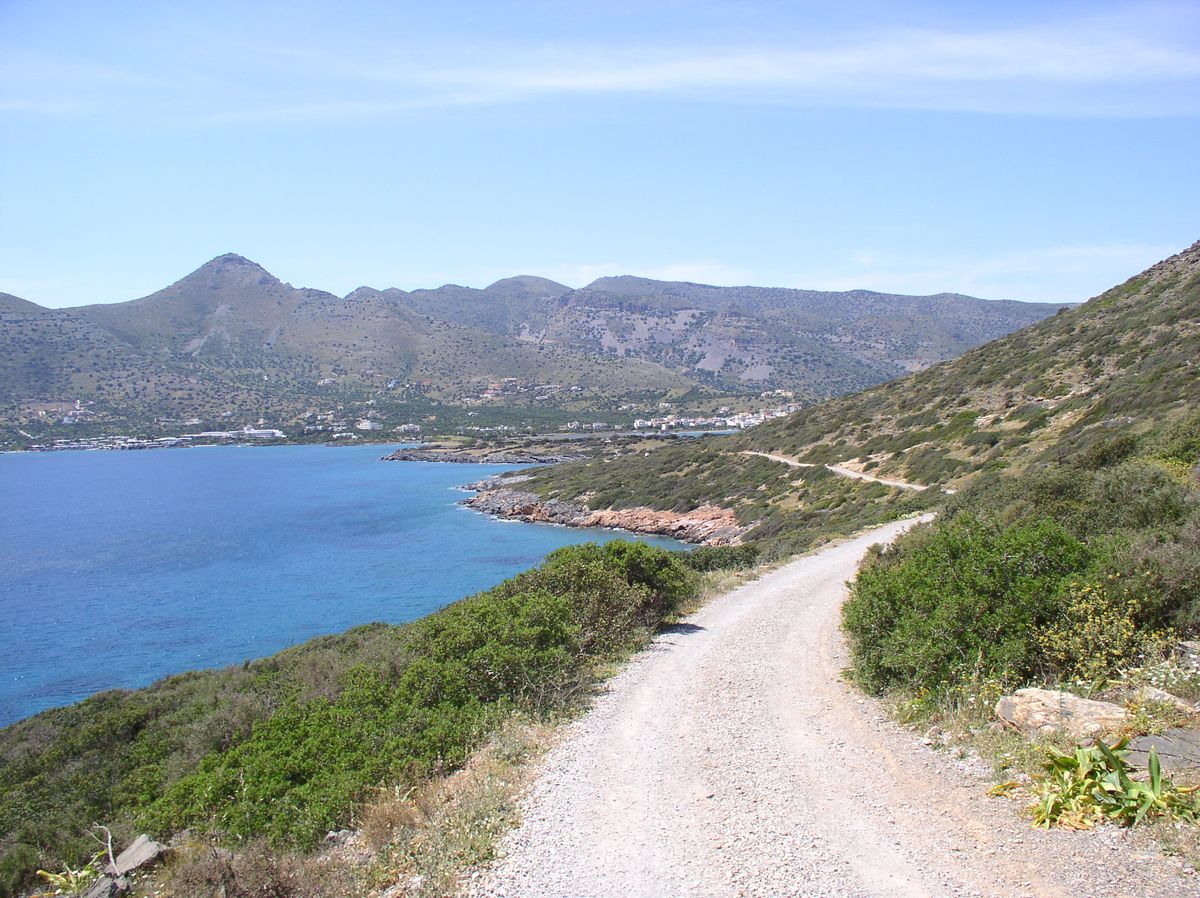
(783, 459)
(730, 759)
(843, 471)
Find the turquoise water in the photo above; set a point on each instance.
(119, 568)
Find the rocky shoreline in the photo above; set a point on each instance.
(479, 457)
(707, 525)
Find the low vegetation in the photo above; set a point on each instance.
(1095, 784)
(1069, 574)
(278, 752)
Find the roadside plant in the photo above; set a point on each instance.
(70, 882)
(1098, 631)
(1093, 785)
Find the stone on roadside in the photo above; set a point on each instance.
(1187, 655)
(1162, 697)
(141, 852)
(1178, 749)
(1044, 712)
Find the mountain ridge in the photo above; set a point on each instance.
(230, 339)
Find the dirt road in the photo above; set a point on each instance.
(731, 759)
(842, 471)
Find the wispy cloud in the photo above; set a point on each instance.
(1069, 273)
(1081, 67)
(910, 56)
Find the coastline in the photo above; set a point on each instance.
(707, 525)
(478, 456)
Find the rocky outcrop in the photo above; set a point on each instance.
(1178, 749)
(1042, 712)
(115, 881)
(479, 456)
(707, 525)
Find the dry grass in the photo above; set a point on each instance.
(425, 837)
(205, 870)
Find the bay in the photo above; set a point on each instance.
(119, 568)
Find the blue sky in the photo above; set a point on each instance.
(1022, 150)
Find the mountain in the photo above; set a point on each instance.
(1090, 385)
(818, 344)
(231, 341)
(10, 303)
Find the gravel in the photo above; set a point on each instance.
(730, 759)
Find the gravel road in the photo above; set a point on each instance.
(843, 471)
(730, 759)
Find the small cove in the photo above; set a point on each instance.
(120, 568)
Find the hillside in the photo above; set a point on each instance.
(818, 344)
(234, 313)
(1096, 378)
(230, 342)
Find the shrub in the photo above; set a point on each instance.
(1180, 442)
(1105, 451)
(1163, 574)
(524, 644)
(706, 559)
(1099, 630)
(961, 601)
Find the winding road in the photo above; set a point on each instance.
(843, 471)
(731, 759)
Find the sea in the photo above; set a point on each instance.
(118, 568)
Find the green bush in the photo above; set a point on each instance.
(962, 601)
(283, 748)
(1180, 441)
(706, 559)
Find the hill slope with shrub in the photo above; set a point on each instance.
(1093, 385)
(286, 748)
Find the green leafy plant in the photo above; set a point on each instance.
(1093, 785)
(69, 881)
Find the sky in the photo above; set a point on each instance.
(1025, 150)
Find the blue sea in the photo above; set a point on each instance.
(119, 568)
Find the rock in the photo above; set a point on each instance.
(481, 456)
(103, 887)
(107, 887)
(708, 524)
(1178, 749)
(1153, 694)
(1042, 712)
(143, 851)
(1188, 655)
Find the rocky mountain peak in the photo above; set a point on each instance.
(230, 271)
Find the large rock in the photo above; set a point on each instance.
(1178, 749)
(1162, 697)
(141, 852)
(1044, 712)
